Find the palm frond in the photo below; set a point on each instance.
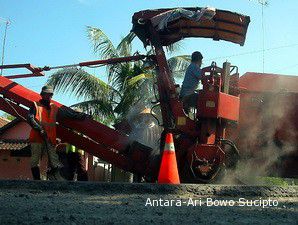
(80, 84)
(130, 97)
(174, 47)
(125, 46)
(129, 84)
(139, 77)
(150, 51)
(120, 76)
(101, 43)
(125, 72)
(99, 108)
(179, 64)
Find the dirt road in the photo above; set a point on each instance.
(29, 202)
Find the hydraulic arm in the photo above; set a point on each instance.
(94, 137)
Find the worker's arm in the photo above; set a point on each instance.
(31, 120)
(66, 112)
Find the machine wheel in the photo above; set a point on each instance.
(232, 154)
(188, 177)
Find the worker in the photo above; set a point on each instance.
(42, 118)
(191, 80)
(75, 158)
(145, 130)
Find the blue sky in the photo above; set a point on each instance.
(52, 33)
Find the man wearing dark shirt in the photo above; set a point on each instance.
(191, 80)
(42, 118)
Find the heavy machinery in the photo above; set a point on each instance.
(267, 131)
(202, 147)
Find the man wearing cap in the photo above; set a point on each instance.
(42, 118)
(191, 81)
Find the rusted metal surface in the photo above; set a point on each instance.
(104, 152)
(36, 72)
(91, 128)
(225, 25)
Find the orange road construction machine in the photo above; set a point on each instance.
(207, 143)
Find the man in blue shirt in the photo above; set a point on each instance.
(191, 80)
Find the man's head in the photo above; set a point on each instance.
(196, 57)
(46, 93)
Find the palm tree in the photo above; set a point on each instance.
(127, 82)
(109, 102)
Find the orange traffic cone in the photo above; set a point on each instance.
(168, 172)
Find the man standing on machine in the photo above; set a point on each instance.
(191, 80)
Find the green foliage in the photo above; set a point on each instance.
(179, 65)
(125, 46)
(111, 101)
(8, 116)
(276, 181)
(102, 45)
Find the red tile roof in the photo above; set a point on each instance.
(266, 82)
(13, 144)
(3, 121)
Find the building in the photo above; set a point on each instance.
(15, 150)
(15, 154)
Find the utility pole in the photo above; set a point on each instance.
(7, 22)
(263, 3)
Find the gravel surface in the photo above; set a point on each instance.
(47, 202)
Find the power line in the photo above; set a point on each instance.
(254, 52)
(286, 67)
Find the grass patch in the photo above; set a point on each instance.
(278, 181)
